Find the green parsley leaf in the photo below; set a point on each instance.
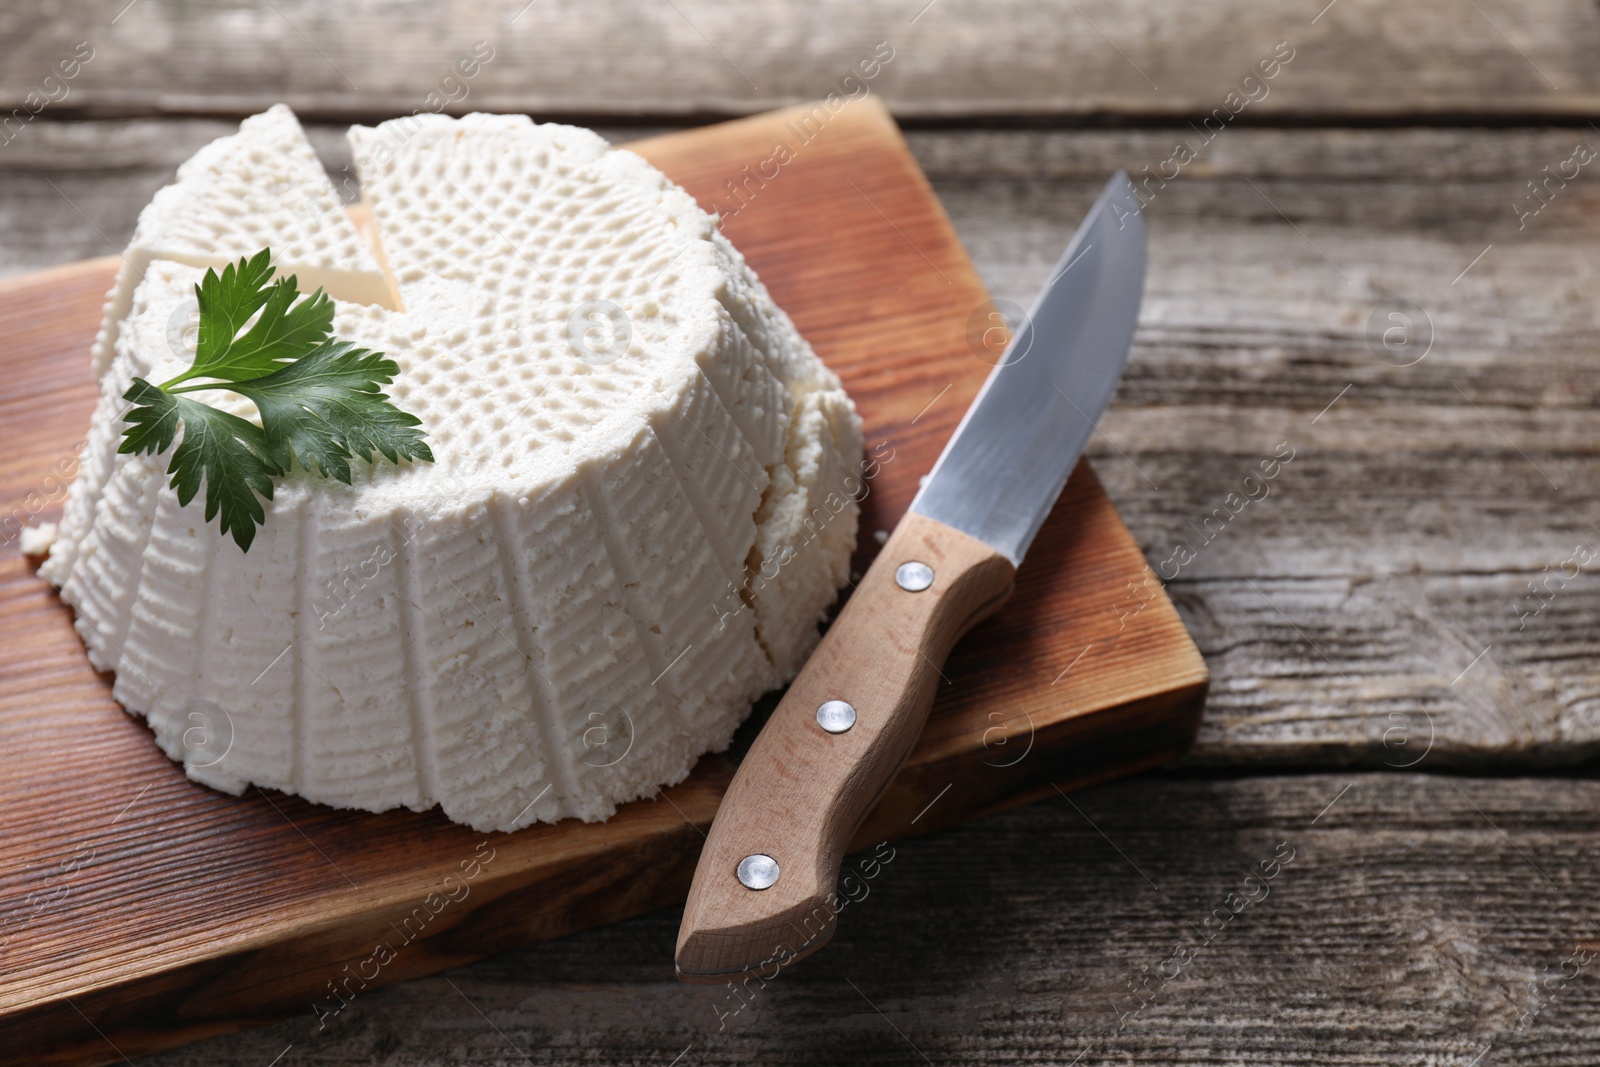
(284, 331)
(153, 419)
(326, 407)
(226, 303)
(230, 452)
(319, 399)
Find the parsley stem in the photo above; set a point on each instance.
(167, 385)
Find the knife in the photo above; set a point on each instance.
(763, 893)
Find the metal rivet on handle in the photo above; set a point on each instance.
(914, 576)
(835, 716)
(758, 871)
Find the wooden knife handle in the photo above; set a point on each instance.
(802, 791)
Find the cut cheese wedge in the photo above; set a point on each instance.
(261, 187)
(643, 501)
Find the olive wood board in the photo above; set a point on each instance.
(139, 910)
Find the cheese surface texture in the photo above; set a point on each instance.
(640, 509)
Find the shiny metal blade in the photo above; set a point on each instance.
(1007, 462)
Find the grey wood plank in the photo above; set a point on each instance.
(1433, 513)
(1029, 58)
(1410, 918)
(1337, 610)
(1408, 535)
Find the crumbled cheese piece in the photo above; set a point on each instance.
(36, 540)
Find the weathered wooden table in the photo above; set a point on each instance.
(1380, 260)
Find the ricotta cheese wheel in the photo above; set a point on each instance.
(642, 501)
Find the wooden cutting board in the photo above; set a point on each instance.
(139, 911)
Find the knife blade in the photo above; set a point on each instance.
(1011, 454)
(762, 894)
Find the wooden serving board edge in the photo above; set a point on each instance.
(257, 981)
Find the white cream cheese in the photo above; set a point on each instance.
(639, 510)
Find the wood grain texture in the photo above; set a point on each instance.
(801, 792)
(68, 182)
(1398, 544)
(1400, 541)
(158, 910)
(953, 58)
(1426, 513)
(1421, 919)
